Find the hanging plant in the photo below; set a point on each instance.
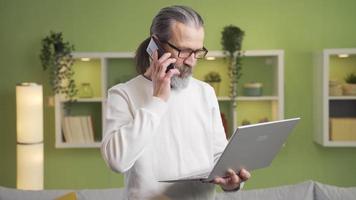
(231, 42)
(56, 57)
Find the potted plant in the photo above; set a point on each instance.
(350, 87)
(214, 79)
(56, 57)
(231, 42)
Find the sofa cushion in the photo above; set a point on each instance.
(15, 194)
(85, 194)
(326, 192)
(102, 194)
(291, 192)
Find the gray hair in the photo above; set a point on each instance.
(161, 27)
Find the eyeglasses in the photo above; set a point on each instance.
(185, 53)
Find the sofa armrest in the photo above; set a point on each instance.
(326, 192)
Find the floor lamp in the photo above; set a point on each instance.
(29, 126)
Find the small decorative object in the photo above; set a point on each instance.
(252, 89)
(85, 91)
(57, 58)
(335, 88)
(245, 122)
(350, 87)
(265, 119)
(214, 79)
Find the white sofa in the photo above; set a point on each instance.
(308, 190)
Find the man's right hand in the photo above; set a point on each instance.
(161, 80)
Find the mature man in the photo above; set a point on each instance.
(163, 125)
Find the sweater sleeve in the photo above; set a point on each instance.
(127, 131)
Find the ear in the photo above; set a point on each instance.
(149, 69)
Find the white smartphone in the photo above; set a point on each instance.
(156, 45)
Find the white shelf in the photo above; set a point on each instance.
(224, 98)
(250, 98)
(104, 57)
(249, 53)
(79, 145)
(323, 101)
(275, 58)
(260, 98)
(60, 101)
(342, 97)
(79, 100)
(340, 144)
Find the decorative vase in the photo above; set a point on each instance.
(252, 89)
(349, 89)
(85, 91)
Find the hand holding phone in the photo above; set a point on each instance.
(161, 79)
(156, 45)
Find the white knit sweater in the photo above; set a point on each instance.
(148, 139)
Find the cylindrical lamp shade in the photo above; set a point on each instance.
(29, 123)
(29, 111)
(30, 166)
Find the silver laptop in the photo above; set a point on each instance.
(250, 147)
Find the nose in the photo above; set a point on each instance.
(191, 60)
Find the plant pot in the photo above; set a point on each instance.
(216, 86)
(349, 89)
(335, 88)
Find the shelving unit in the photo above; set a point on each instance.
(95, 72)
(114, 67)
(334, 64)
(266, 66)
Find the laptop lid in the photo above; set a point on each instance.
(253, 146)
(250, 147)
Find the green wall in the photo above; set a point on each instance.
(301, 28)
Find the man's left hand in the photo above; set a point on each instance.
(232, 180)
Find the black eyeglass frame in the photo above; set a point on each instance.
(192, 51)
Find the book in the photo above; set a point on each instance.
(78, 129)
(90, 128)
(85, 128)
(66, 130)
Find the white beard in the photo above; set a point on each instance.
(178, 83)
(181, 81)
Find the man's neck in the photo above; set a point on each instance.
(148, 74)
(147, 77)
